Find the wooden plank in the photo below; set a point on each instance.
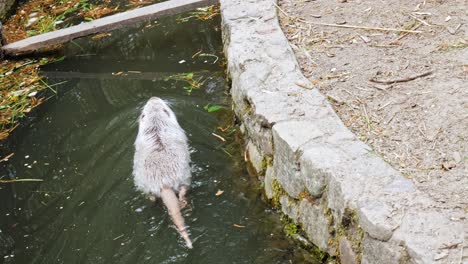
(149, 76)
(105, 24)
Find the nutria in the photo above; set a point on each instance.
(161, 165)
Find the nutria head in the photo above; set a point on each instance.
(157, 110)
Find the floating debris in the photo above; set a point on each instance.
(21, 180)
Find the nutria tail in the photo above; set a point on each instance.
(172, 203)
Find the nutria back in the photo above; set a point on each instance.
(161, 166)
(162, 158)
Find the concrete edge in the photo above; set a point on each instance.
(349, 201)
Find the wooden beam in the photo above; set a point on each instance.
(105, 24)
(149, 76)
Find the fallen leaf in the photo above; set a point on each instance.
(212, 108)
(219, 192)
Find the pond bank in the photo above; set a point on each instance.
(349, 201)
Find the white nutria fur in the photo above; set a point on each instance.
(161, 165)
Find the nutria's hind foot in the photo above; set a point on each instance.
(182, 197)
(183, 204)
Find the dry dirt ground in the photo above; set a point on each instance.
(419, 126)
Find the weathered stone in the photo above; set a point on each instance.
(255, 158)
(290, 207)
(339, 136)
(314, 180)
(426, 232)
(347, 255)
(315, 224)
(269, 178)
(288, 137)
(260, 136)
(376, 218)
(375, 251)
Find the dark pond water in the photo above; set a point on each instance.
(80, 143)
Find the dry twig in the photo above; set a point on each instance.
(7, 157)
(405, 34)
(363, 27)
(21, 180)
(219, 137)
(401, 80)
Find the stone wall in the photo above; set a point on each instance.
(349, 201)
